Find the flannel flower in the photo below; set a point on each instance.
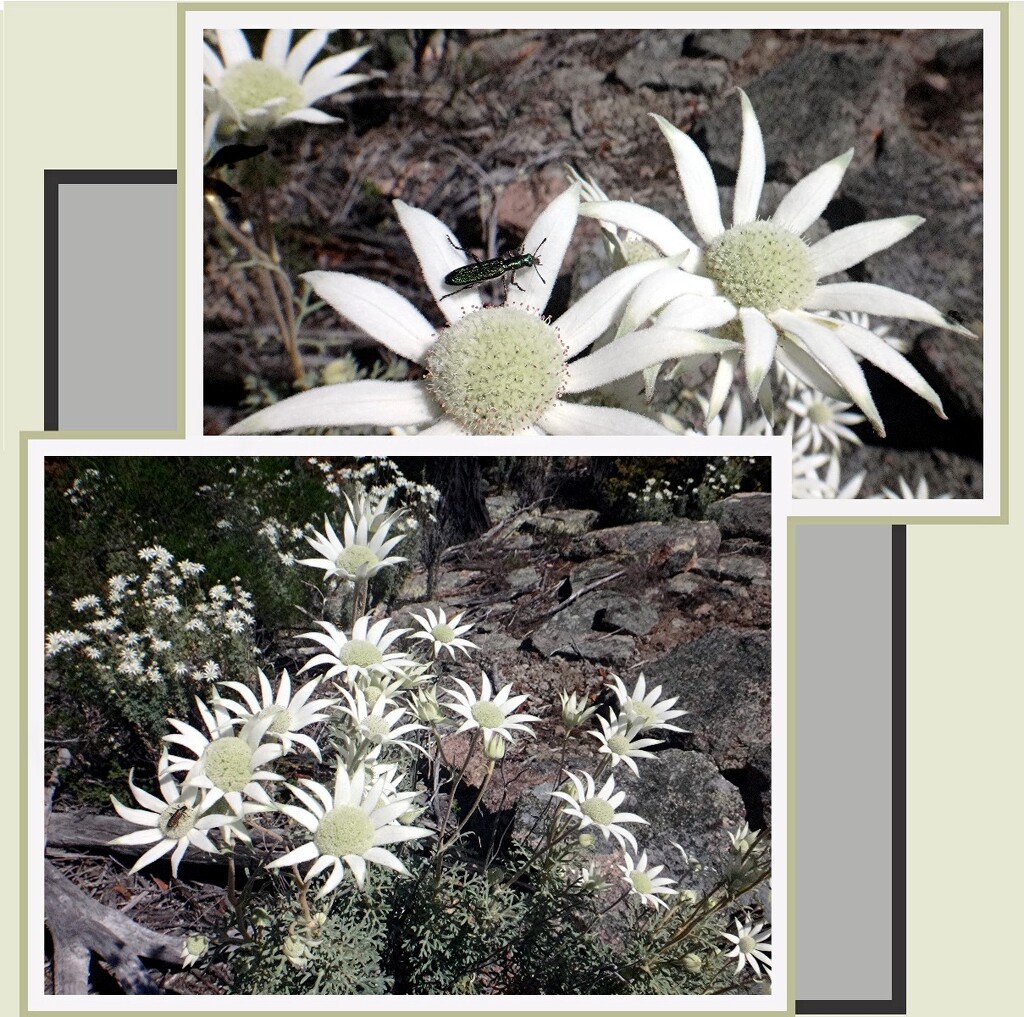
(621, 740)
(749, 947)
(646, 882)
(363, 549)
(362, 655)
(493, 713)
(172, 823)
(256, 94)
(502, 369)
(350, 827)
(443, 633)
(228, 765)
(290, 713)
(759, 282)
(598, 808)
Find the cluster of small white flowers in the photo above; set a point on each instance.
(64, 639)
(284, 539)
(83, 488)
(141, 630)
(658, 499)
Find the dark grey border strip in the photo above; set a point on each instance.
(52, 180)
(898, 1003)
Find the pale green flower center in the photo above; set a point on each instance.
(761, 265)
(371, 695)
(498, 370)
(355, 559)
(598, 810)
(376, 729)
(177, 820)
(747, 944)
(345, 830)
(282, 722)
(488, 715)
(443, 633)
(641, 882)
(253, 83)
(819, 413)
(643, 711)
(228, 763)
(360, 653)
(619, 745)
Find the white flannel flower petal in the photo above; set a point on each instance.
(906, 492)
(641, 708)
(363, 654)
(598, 808)
(256, 94)
(443, 633)
(290, 713)
(494, 714)
(173, 823)
(645, 882)
(750, 946)
(772, 278)
(501, 369)
(350, 827)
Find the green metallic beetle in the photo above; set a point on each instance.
(476, 273)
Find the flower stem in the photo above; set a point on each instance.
(276, 287)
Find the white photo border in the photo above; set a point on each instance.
(989, 506)
(37, 452)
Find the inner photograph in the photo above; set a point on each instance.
(490, 725)
(568, 231)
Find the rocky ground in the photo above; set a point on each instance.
(477, 127)
(558, 605)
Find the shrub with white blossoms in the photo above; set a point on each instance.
(157, 624)
(348, 803)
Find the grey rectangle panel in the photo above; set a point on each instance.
(111, 292)
(848, 802)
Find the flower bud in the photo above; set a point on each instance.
(295, 951)
(494, 747)
(426, 708)
(586, 840)
(692, 963)
(194, 948)
(575, 712)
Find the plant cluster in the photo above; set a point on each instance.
(135, 629)
(351, 813)
(750, 297)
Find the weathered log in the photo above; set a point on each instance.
(83, 831)
(81, 927)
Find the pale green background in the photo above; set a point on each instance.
(90, 85)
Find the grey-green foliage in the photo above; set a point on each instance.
(344, 953)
